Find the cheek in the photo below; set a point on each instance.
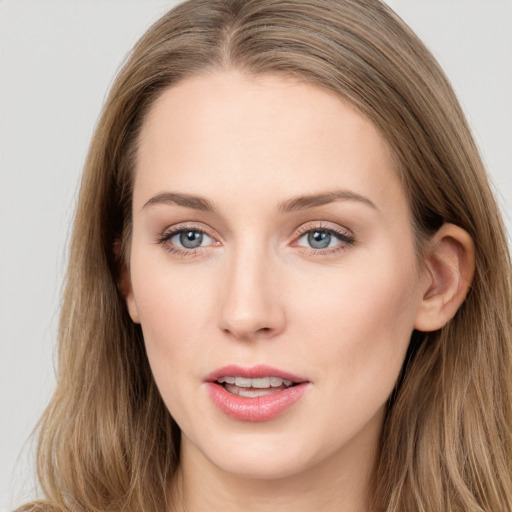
(171, 308)
(172, 301)
(172, 311)
(361, 324)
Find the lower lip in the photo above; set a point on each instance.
(261, 408)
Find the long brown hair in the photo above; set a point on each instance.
(107, 441)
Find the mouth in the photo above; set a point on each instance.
(258, 393)
(254, 387)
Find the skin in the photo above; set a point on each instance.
(255, 292)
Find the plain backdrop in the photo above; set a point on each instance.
(57, 60)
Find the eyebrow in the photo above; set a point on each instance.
(311, 201)
(186, 200)
(290, 205)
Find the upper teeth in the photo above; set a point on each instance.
(262, 382)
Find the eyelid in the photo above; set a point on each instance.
(168, 233)
(344, 235)
(323, 226)
(183, 226)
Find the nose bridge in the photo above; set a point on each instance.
(250, 305)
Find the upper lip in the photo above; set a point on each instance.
(252, 372)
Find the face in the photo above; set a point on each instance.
(272, 270)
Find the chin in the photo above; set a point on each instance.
(268, 456)
(254, 466)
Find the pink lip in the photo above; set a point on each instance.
(262, 408)
(253, 372)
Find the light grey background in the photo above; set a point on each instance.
(57, 60)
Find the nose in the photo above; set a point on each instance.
(252, 302)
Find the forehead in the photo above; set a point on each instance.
(267, 136)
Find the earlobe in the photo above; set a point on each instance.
(449, 268)
(124, 283)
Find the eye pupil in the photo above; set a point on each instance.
(319, 239)
(191, 239)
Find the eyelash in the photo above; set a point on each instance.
(345, 238)
(167, 236)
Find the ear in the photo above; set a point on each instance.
(449, 268)
(124, 282)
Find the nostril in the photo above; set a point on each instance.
(250, 331)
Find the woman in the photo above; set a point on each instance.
(289, 285)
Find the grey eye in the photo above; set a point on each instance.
(324, 238)
(190, 239)
(319, 239)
